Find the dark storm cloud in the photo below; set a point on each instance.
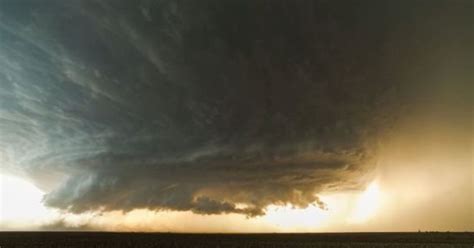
(207, 106)
(62, 225)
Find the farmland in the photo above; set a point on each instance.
(171, 240)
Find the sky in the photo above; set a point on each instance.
(236, 116)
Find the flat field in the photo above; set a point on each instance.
(172, 240)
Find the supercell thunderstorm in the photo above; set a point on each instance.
(195, 105)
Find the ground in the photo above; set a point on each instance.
(103, 239)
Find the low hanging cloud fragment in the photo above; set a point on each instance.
(206, 106)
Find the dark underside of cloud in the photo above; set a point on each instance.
(208, 106)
